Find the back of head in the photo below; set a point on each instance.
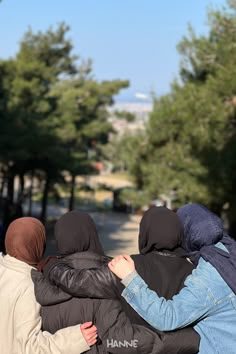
(26, 240)
(160, 229)
(201, 227)
(75, 232)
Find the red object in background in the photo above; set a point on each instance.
(98, 166)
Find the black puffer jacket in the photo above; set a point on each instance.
(114, 324)
(87, 275)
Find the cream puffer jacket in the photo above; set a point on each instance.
(20, 321)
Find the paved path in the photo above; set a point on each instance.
(118, 233)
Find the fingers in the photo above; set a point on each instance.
(122, 266)
(110, 266)
(128, 258)
(116, 260)
(122, 256)
(86, 325)
(92, 340)
(91, 331)
(113, 263)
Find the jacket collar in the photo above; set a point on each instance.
(14, 264)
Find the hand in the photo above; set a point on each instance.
(122, 266)
(89, 332)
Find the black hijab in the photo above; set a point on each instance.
(160, 262)
(160, 229)
(75, 232)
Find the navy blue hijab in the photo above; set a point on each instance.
(202, 231)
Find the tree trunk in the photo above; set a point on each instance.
(8, 212)
(22, 188)
(3, 183)
(45, 199)
(72, 193)
(31, 192)
(10, 186)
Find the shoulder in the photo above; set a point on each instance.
(27, 287)
(23, 283)
(205, 276)
(84, 260)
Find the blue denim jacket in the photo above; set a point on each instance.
(205, 300)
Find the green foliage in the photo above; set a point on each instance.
(131, 197)
(52, 111)
(127, 153)
(189, 147)
(82, 111)
(128, 116)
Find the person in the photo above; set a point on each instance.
(115, 331)
(159, 239)
(20, 321)
(73, 232)
(208, 299)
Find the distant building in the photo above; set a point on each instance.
(140, 110)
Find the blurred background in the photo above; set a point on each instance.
(113, 107)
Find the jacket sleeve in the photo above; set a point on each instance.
(95, 283)
(47, 294)
(192, 303)
(28, 337)
(117, 334)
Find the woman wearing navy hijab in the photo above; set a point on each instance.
(208, 299)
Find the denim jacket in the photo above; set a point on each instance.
(206, 301)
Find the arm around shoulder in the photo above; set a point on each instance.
(30, 339)
(95, 282)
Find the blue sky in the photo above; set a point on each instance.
(127, 39)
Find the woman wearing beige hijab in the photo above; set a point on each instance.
(20, 321)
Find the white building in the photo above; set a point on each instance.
(140, 110)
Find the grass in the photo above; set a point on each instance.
(96, 197)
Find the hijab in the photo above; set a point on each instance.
(202, 231)
(26, 240)
(75, 232)
(160, 229)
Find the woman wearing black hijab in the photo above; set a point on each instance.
(160, 235)
(76, 232)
